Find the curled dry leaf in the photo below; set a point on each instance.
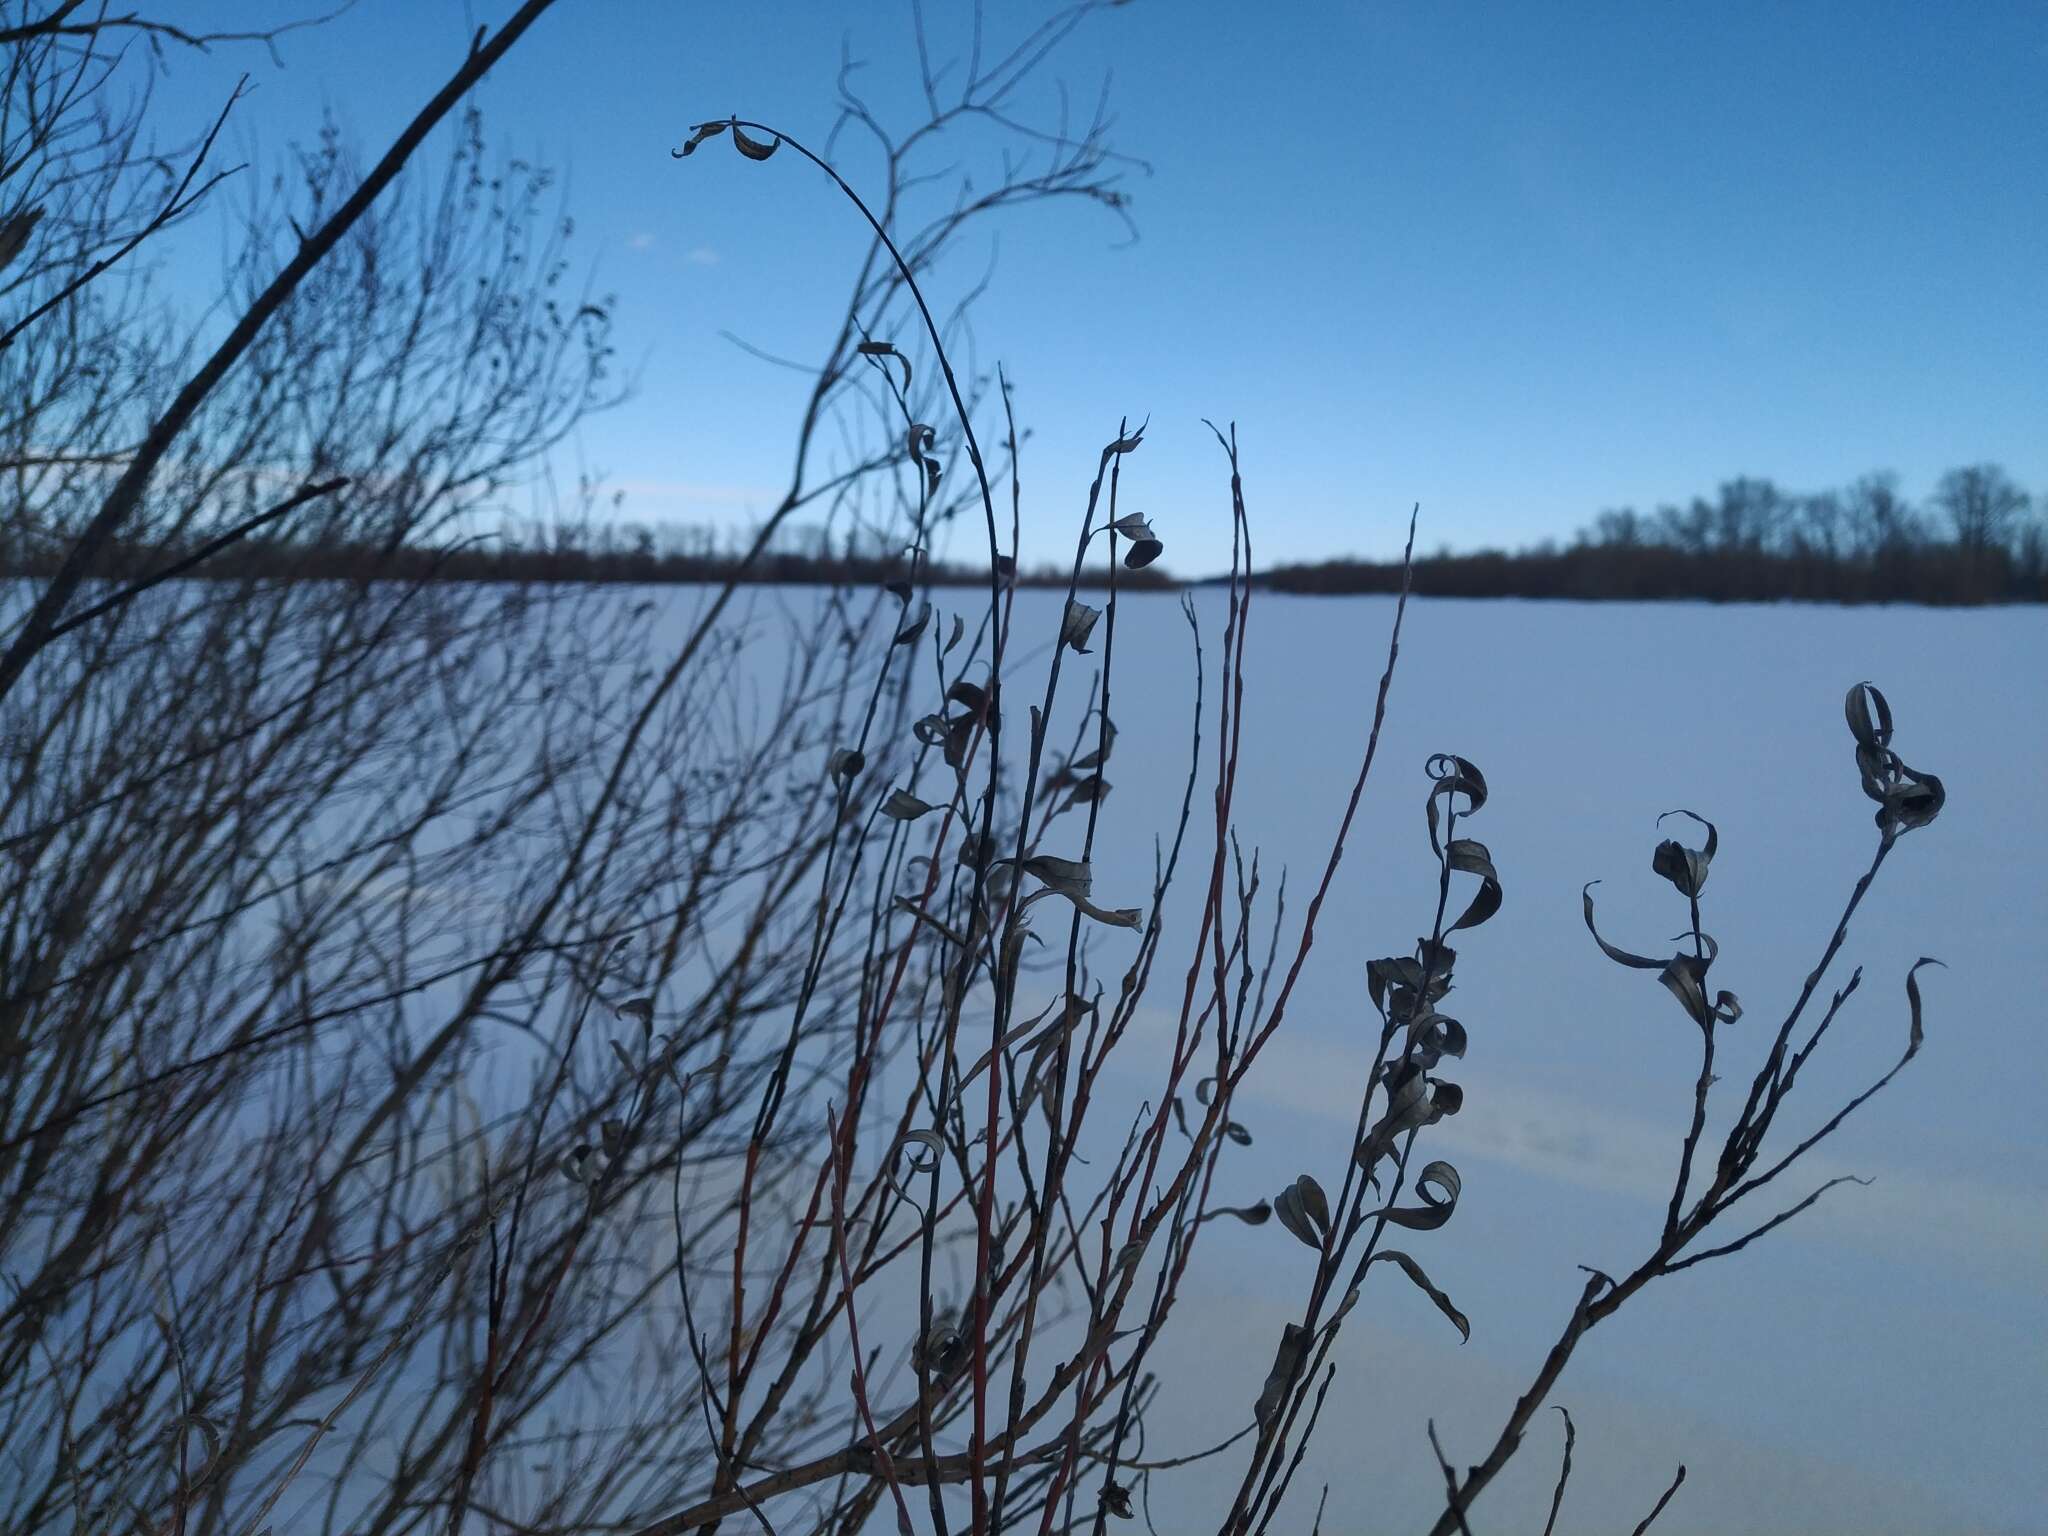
(1451, 775)
(1314, 1203)
(942, 1349)
(1470, 857)
(1042, 1048)
(699, 133)
(1869, 715)
(1685, 867)
(886, 349)
(959, 737)
(1291, 1205)
(1086, 791)
(1438, 1186)
(1408, 1103)
(1013, 947)
(1433, 1036)
(1913, 1001)
(1685, 979)
(845, 763)
(1142, 553)
(1074, 879)
(927, 1162)
(641, 1008)
(1145, 544)
(1078, 624)
(1286, 1361)
(1683, 975)
(14, 234)
(1250, 1215)
(932, 1142)
(1906, 798)
(1343, 1309)
(1617, 955)
(913, 629)
(1399, 981)
(752, 148)
(1105, 741)
(1423, 1283)
(902, 805)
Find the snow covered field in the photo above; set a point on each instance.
(1878, 1364)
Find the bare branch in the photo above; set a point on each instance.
(1564, 1471)
(1676, 1483)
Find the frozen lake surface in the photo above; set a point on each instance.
(1876, 1365)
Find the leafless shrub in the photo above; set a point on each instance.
(384, 964)
(1076, 1267)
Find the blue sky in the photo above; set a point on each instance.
(1515, 263)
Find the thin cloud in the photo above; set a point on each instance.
(642, 241)
(701, 256)
(1595, 1146)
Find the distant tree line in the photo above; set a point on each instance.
(567, 551)
(1979, 538)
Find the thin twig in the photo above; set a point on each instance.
(1653, 1514)
(1450, 1481)
(199, 556)
(1563, 1472)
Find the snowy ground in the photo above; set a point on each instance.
(1876, 1366)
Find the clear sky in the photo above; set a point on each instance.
(1518, 263)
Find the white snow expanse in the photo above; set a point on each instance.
(1878, 1365)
